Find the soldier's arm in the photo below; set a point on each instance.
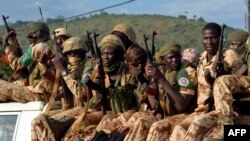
(234, 62)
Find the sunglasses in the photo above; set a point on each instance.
(136, 63)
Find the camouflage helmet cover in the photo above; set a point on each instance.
(127, 30)
(111, 40)
(73, 43)
(190, 54)
(61, 31)
(37, 26)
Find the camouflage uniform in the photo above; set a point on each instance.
(38, 87)
(187, 82)
(121, 96)
(46, 125)
(147, 124)
(200, 123)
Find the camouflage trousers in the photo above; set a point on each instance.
(139, 123)
(56, 127)
(162, 129)
(225, 88)
(43, 127)
(194, 127)
(15, 92)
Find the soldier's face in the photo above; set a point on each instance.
(172, 60)
(32, 37)
(210, 41)
(234, 45)
(108, 56)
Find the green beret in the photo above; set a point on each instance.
(166, 49)
(169, 48)
(238, 36)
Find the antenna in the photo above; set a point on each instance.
(41, 13)
(99, 9)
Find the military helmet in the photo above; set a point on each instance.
(127, 30)
(37, 26)
(111, 40)
(238, 36)
(61, 31)
(73, 43)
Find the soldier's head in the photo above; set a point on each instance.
(37, 32)
(74, 50)
(60, 35)
(190, 56)
(136, 58)
(170, 55)
(126, 33)
(237, 39)
(211, 33)
(112, 51)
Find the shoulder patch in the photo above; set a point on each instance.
(183, 81)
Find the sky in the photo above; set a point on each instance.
(230, 12)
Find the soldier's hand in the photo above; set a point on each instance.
(153, 71)
(58, 63)
(6, 37)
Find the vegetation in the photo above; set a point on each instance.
(186, 32)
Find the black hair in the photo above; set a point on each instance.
(214, 27)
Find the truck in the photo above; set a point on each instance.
(16, 118)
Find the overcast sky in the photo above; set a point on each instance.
(230, 12)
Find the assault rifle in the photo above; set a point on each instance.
(153, 43)
(67, 101)
(91, 48)
(100, 88)
(219, 67)
(151, 88)
(220, 52)
(20, 73)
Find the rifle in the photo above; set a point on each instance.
(67, 94)
(23, 72)
(103, 93)
(210, 99)
(91, 48)
(153, 43)
(220, 51)
(151, 89)
(100, 88)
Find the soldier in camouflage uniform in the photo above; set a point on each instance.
(135, 57)
(39, 86)
(126, 33)
(74, 50)
(197, 124)
(187, 83)
(60, 35)
(228, 87)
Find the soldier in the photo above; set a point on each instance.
(206, 71)
(60, 35)
(74, 50)
(40, 77)
(186, 83)
(230, 87)
(135, 57)
(126, 33)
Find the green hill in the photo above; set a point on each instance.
(186, 32)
